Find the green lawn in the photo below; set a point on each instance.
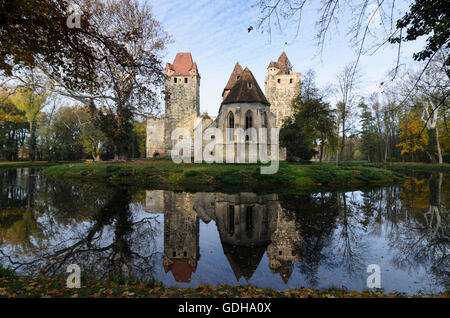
(217, 176)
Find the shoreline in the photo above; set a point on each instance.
(291, 177)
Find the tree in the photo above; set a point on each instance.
(13, 128)
(346, 84)
(411, 140)
(367, 132)
(313, 115)
(31, 102)
(434, 95)
(426, 18)
(93, 140)
(112, 63)
(37, 33)
(295, 141)
(124, 90)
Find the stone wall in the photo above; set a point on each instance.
(155, 138)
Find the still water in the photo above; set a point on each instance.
(313, 240)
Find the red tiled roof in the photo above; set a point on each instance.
(182, 64)
(181, 268)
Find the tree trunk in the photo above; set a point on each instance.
(438, 145)
(96, 157)
(120, 157)
(32, 142)
(341, 154)
(321, 152)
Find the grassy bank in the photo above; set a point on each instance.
(27, 164)
(418, 166)
(15, 286)
(217, 176)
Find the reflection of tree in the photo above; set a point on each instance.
(424, 239)
(111, 241)
(315, 217)
(350, 234)
(433, 215)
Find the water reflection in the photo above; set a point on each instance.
(281, 241)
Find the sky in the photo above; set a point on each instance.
(215, 32)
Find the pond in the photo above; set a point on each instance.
(312, 240)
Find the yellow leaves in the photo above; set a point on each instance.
(29, 287)
(413, 136)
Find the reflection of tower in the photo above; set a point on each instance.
(245, 222)
(181, 231)
(285, 247)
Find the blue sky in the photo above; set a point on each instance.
(215, 32)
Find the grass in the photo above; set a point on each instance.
(27, 164)
(165, 173)
(12, 285)
(419, 166)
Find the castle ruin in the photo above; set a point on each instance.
(244, 105)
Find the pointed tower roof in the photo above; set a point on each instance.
(246, 90)
(243, 260)
(181, 269)
(234, 77)
(183, 64)
(283, 64)
(284, 269)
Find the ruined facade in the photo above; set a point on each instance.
(244, 105)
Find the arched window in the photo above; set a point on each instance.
(230, 120)
(230, 126)
(248, 120)
(248, 123)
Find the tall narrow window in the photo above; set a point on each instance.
(230, 126)
(248, 120)
(231, 219)
(175, 80)
(248, 123)
(279, 81)
(249, 220)
(291, 81)
(186, 80)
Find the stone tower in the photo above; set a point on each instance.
(182, 94)
(286, 246)
(282, 85)
(181, 231)
(182, 104)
